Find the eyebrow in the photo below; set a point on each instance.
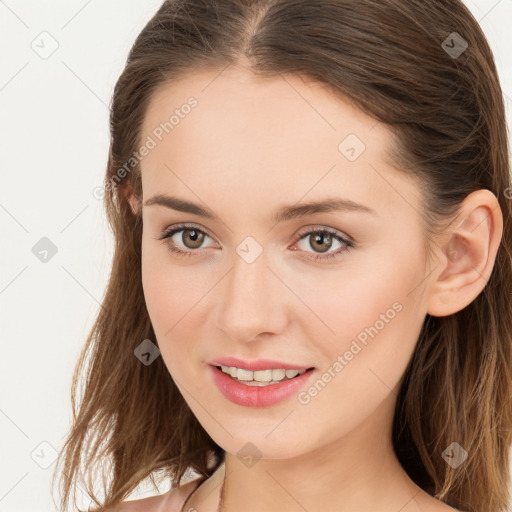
(284, 213)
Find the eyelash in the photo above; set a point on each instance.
(168, 233)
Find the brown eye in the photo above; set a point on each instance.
(192, 238)
(321, 241)
(188, 244)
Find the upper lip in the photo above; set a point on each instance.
(259, 364)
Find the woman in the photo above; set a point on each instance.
(309, 305)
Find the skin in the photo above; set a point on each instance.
(251, 146)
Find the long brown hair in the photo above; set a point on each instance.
(400, 62)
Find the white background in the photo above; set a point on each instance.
(54, 144)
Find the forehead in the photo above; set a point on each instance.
(273, 135)
(243, 104)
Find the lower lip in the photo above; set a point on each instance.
(257, 396)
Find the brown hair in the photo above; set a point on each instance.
(447, 114)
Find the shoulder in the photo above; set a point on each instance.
(171, 501)
(435, 505)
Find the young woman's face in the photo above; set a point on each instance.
(245, 284)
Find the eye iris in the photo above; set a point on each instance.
(321, 238)
(196, 236)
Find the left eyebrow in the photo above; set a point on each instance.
(284, 213)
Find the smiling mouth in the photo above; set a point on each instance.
(262, 377)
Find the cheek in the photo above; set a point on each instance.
(371, 318)
(341, 303)
(172, 294)
(165, 308)
(155, 286)
(164, 295)
(166, 285)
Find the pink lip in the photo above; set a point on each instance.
(260, 364)
(257, 396)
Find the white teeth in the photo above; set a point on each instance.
(244, 374)
(264, 376)
(278, 374)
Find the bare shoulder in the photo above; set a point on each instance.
(151, 504)
(435, 505)
(171, 501)
(443, 507)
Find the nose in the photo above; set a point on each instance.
(253, 301)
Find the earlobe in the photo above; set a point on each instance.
(467, 259)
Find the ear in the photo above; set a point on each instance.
(467, 256)
(134, 201)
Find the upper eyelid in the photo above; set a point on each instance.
(180, 227)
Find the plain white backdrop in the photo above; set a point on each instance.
(60, 61)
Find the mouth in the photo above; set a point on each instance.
(260, 388)
(261, 378)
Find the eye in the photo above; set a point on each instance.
(192, 238)
(322, 240)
